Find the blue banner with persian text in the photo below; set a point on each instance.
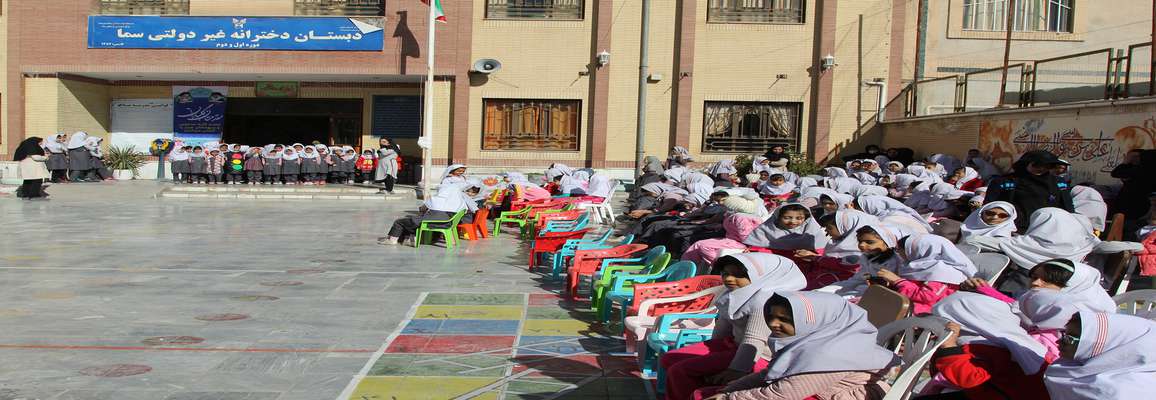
(235, 33)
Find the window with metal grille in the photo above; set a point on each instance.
(517, 124)
(1028, 16)
(756, 11)
(144, 7)
(535, 9)
(366, 8)
(744, 127)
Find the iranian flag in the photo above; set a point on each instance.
(438, 11)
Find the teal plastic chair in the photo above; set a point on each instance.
(665, 339)
(649, 266)
(637, 263)
(622, 287)
(450, 232)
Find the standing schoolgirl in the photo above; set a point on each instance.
(179, 163)
(310, 165)
(254, 166)
(387, 166)
(216, 166)
(79, 159)
(366, 165)
(290, 166)
(272, 170)
(198, 165)
(57, 163)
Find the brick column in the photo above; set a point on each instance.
(898, 45)
(822, 81)
(683, 73)
(463, 56)
(603, 17)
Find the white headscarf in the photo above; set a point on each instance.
(869, 190)
(768, 189)
(450, 169)
(768, 273)
(969, 174)
(451, 198)
(842, 185)
(1052, 233)
(52, 145)
(974, 225)
(556, 170)
(1114, 360)
(519, 178)
(995, 323)
(77, 140)
(830, 335)
(934, 258)
(1050, 309)
(1090, 203)
(770, 235)
(949, 163)
(806, 182)
(722, 167)
(941, 194)
(308, 155)
(865, 178)
(662, 189)
(883, 207)
(848, 222)
(576, 183)
(675, 173)
(290, 154)
(600, 186)
(835, 172)
(699, 186)
(178, 154)
(93, 145)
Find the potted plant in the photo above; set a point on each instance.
(124, 162)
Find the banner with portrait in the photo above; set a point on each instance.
(199, 113)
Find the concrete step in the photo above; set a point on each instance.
(173, 193)
(285, 189)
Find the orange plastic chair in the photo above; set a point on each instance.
(587, 262)
(477, 229)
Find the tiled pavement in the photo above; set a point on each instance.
(500, 346)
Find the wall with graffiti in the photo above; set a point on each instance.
(1093, 138)
(1094, 145)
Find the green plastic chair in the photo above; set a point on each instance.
(450, 232)
(511, 217)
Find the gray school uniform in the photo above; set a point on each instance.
(310, 165)
(56, 161)
(180, 166)
(291, 167)
(198, 165)
(78, 159)
(323, 163)
(272, 166)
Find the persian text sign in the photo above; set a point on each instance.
(234, 33)
(199, 111)
(1093, 144)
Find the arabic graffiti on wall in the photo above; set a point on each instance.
(1094, 145)
(235, 33)
(199, 112)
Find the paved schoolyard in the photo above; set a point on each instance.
(109, 293)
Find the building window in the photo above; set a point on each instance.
(144, 7)
(756, 11)
(744, 127)
(531, 124)
(1029, 15)
(535, 9)
(367, 8)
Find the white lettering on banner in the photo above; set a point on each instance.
(1094, 144)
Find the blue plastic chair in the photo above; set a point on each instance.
(665, 339)
(572, 246)
(566, 226)
(622, 287)
(618, 264)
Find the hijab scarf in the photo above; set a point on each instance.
(770, 235)
(869, 190)
(830, 335)
(309, 155)
(883, 207)
(768, 273)
(768, 189)
(653, 165)
(1113, 360)
(949, 163)
(865, 178)
(699, 186)
(722, 167)
(1049, 309)
(1090, 203)
(1052, 233)
(842, 185)
(974, 225)
(27, 148)
(934, 258)
(987, 320)
(835, 172)
(52, 145)
(806, 182)
(77, 140)
(969, 174)
(847, 222)
(600, 186)
(451, 198)
(660, 189)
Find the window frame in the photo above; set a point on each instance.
(577, 118)
(711, 18)
(488, 16)
(1028, 12)
(793, 142)
(128, 5)
(299, 5)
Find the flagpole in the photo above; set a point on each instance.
(427, 117)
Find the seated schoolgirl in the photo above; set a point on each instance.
(737, 226)
(776, 188)
(1052, 233)
(994, 358)
(930, 269)
(833, 202)
(455, 173)
(869, 190)
(892, 211)
(657, 198)
(902, 186)
(966, 179)
(824, 348)
(678, 232)
(449, 200)
(523, 189)
(738, 345)
(841, 257)
(790, 228)
(1078, 281)
(600, 189)
(994, 220)
(575, 184)
(1104, 356)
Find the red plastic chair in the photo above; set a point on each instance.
(648, 299)
(551, 242)
(476, 229)
(587, 262)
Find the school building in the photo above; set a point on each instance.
(725, 77)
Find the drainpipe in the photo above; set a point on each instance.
(643, 74)
(882, 85)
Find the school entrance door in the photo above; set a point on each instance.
(261, 121)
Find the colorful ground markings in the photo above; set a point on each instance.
(500, 346)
